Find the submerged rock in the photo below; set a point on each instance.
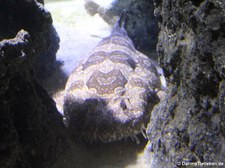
(34, 18)
(189, 124)
(32, 130)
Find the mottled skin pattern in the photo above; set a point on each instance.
(110, 95)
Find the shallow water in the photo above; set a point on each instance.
(79, 33)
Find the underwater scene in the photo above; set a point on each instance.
(112, 84)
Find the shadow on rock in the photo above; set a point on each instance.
(35, 19)
(32, 130)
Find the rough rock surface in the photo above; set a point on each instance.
(110, 95)
(142, 26)
(34, 18)
(189, 125)
(32, 130)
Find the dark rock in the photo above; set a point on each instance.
(142, 26)
(41, 1)
(31, 16)
(189, 122)
(32, 130)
